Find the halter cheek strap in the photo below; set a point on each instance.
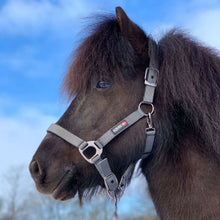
(102, 165)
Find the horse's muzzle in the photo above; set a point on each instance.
(62, 185)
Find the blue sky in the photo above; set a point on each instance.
(36, 39)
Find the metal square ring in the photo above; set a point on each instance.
(97, 153)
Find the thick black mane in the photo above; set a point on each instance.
(188, 92)
(103, 54)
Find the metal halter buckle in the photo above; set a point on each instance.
(146, 76)
(90, 151)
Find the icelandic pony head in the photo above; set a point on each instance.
(106, 77)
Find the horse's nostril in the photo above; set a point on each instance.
(35, 170)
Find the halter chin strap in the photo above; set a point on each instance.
(96, 147)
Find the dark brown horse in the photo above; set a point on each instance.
(183, 170)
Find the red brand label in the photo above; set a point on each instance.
(124, 123)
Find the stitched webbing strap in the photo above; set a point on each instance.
(120, 127)
(105, 138)
(66, 135)
(110, 180)
(151, 73)
(150, 81)
(149, 142)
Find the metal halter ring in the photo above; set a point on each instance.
(147, 104)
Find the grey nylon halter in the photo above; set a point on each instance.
(114, 188)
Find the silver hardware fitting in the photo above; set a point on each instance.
(122, 184)
(149, 122)
(141, 104)
(111, 183)
(146, 76)
(117, 193)
(90, 156)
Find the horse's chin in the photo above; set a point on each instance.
(66, 188)
(63, 195)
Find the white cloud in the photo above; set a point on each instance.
(203, 24)
(20, 135)
(23, 16)
(206, 27)
(160, 31)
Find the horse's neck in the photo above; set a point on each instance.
(188, 188)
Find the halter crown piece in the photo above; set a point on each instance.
(114, 188)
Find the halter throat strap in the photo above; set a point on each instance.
(111, 182)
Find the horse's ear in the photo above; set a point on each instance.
(133, 33)
(127, 27)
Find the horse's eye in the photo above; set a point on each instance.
(104, 84)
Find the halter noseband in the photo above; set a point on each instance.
(111, 183)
